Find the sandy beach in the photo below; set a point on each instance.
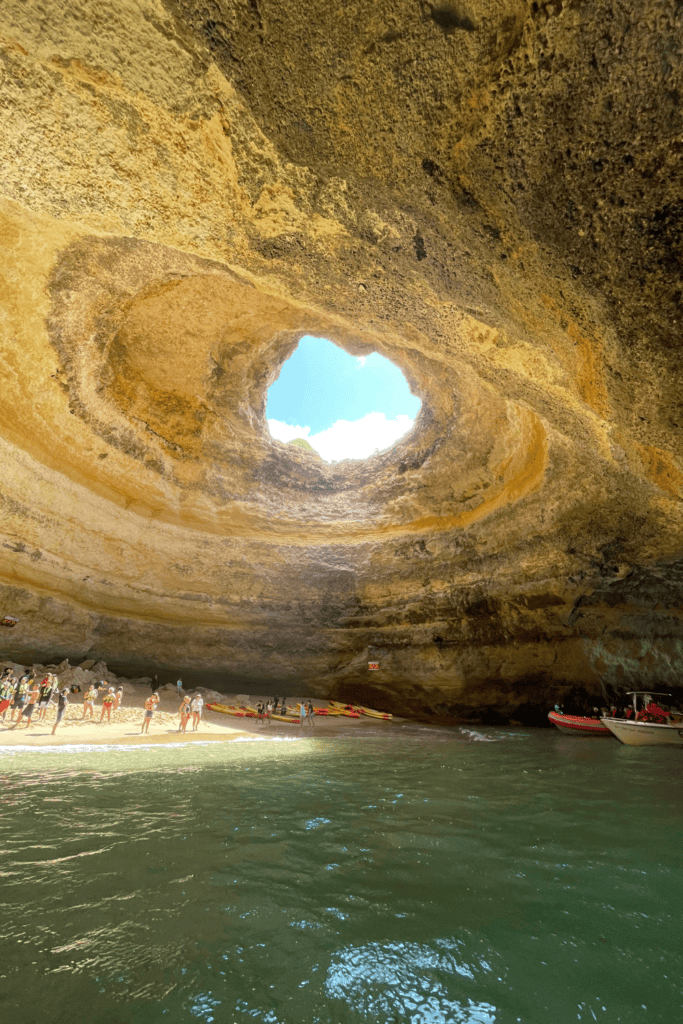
(126, 723)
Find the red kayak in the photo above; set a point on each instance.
(577, 725)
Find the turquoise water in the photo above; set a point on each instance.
(432, 878)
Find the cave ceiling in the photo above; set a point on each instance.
(488, 194)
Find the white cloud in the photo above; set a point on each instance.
(283, 431)
(347, 439)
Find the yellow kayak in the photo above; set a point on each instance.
(361, 710)
(230, 709)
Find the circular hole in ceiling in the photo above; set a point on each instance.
(338, 405)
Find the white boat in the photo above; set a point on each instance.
(644, 732)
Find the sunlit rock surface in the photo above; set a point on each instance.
(487, 194)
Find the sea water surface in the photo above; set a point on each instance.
(431, 877)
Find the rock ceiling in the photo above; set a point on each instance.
(489, 195)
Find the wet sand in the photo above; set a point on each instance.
(126, 723)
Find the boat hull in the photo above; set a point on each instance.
(645, 734)
(577, 725)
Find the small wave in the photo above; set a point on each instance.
(479, 737)
(87, 748)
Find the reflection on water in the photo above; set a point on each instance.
(479, 876)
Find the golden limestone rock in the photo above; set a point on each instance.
(487, 194)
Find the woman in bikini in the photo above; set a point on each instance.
(185, 712)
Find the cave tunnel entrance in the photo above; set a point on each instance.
(339, 405)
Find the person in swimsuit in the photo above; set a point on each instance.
(62, 702)
(108, 702)
(311, 714)
(89, 701)
(30, 705)
(197, 705)
(119, 698)
(150, 705)
(185, 712)
(303, 711)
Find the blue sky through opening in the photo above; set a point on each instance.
(346, 406)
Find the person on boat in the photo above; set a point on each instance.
(654, 713)
(197, 705)
(62, 702)
(150, 705)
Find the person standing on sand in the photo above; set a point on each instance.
(20, 691)
(302, 712)
(119, 698)
(108, 702)
(150, 705)
(29, 707)
(89, 701)
(184, 711)
(47, 688)
(311, 714)
(197, 705)
(179, 684)
(62, 702)
(7, 685)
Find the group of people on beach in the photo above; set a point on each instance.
(266, 709)
(21, 697)
(191, 708)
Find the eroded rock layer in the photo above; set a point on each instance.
(487, 194)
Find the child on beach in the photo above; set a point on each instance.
(89, 701)
(108, 702)
(185, 712)
(197, 705)
(150, 705)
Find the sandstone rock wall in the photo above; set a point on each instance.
(487, 194)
